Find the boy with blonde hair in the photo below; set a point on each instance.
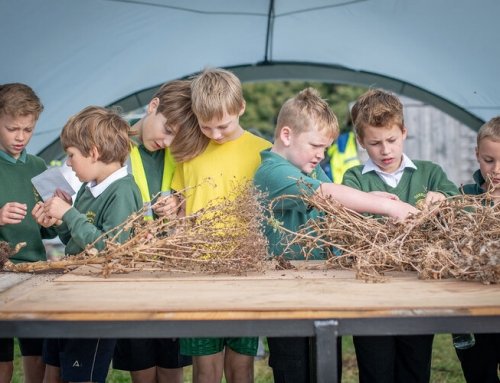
(97, 144)
(305, 128)
(481, 362)
(232, 155)
(380, 129)
(20, 108)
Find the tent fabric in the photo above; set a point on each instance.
(76, 53)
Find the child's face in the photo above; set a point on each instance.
(155, 133)
(222, 130)
(15, 133)
(384, 146)
(305, 150)
(488, 156)
(84, 167)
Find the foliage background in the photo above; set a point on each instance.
(264, 100)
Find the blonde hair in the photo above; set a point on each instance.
(215, 91)
(175, 105)
(490, 129)
(100, 128)
(18, 99)
(377, 108)
(305, 111)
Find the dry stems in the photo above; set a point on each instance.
(457, 238)
(224, 237)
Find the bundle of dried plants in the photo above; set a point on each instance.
(224, 237)
(456, 238)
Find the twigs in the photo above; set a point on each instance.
(457, 238)
(224, 237)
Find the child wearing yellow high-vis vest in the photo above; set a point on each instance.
(161, 138)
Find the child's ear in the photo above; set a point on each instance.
(94, 154)
(153, 105)
(360, 141)
(242, 110)
(477, 154)
(405, 132)
(285, 135)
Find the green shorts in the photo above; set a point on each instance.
(210, 346)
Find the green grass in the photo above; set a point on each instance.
(445, 365)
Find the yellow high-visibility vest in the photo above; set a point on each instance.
(340, 161)
(141, 180)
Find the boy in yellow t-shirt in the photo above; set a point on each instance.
(232, 155)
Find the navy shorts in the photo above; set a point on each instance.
(80, 360)
(28, 346)
(140, 354)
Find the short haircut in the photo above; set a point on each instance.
(304, 112)
(100, 128)
(175, 105)
(18, 99)
(215, 91)
(490, 129)
(377, 108)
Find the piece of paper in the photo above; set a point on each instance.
(49, 181)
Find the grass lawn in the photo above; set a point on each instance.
(445, 365)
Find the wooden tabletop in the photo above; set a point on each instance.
(305, 293)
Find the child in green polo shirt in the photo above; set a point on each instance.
(380, 129)
(97, 144)
(306, 127)
(481, 362)
(20, 108)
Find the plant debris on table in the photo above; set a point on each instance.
(456, 238)
(224, 237)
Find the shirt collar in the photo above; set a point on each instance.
(97, 190)
(370, 166)
(22, 158)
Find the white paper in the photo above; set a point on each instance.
(51, 179)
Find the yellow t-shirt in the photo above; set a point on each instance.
(223, 164)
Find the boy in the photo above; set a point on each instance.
(305, 128)
(97, 144)
(232, 155)
(380, 129)
(20, 108)
(481, 362)
(167, 129)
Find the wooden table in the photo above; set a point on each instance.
(303, 302)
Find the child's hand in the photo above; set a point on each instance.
(12, 213)
(41, 217)
(167, 206)
(56, 207)
(433, 197)
(401, 210)
(63, 195)
(385, 195)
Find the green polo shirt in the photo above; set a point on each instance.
(277, 177)
(16, 186)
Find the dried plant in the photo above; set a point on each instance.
(6, 251)
(226, 236)
(456, 238)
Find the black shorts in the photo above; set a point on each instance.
(28, 346)
(80, 360)
(140, 354)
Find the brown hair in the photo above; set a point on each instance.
(490, 129)
(18, 99)
(377, 108)
(100, 128)
(306, 110)
(215, 91)
(175, 104)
